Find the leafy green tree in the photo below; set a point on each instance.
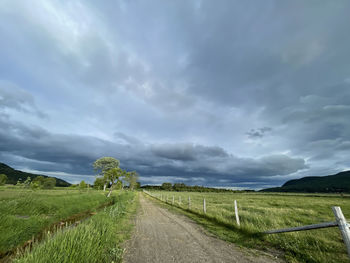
(102, 165)
(113, 176)
(127, 178)
(3, 179)
(49, 183)
(19, 182)
(118, 185)
(34, 185)
(138, 185)
(99, 183)
(166, 186)
(131, 178)
(179, 187)
(82, 185)
(39, 180)
(27, 182)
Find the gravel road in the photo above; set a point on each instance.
(162, 236)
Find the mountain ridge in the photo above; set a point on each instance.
(14, 175)
(336, 183)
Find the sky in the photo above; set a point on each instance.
(242, 94)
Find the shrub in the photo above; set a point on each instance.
(49, 183)
(3, 179)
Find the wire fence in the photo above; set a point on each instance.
(340, 220)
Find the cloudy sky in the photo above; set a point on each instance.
(219, 93)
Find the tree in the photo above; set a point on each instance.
(104, 164)
(49, 183)
(99, 183)
(19, 182)
(3, 179)
(179, 187)
(118, 185)
(113, 176)
(39, 180)
(131, 178)
(82, 185)
(138, 185)
(27, 182)
(35, 185)
(166, 186)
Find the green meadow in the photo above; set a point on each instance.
(25, 214)
(260, 212)
(97, 239)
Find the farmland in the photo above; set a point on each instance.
(260, 212)
(27, 215)
(105, 223)
(96, 240)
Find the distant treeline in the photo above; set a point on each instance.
(181, 187)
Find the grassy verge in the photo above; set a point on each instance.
(26, 213)
(98, 239)
(260, 212)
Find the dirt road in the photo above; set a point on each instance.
(162, 236)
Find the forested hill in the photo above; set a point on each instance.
(13, 175)
(336, 183)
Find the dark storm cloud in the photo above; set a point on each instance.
(200, 91)
(187, 152)
(44, 151)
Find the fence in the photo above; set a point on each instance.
(340, 222)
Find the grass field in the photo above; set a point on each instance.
(261, 212)
(26, 213)
(98, 239)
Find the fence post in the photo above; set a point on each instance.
(180, 200)
(236, 213)
(167, 199)
(343, 226)
(173, 200)
(189, 202)
(204, 206)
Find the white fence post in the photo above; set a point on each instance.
(343, 226)
(189, 202)
(180, 200)
(236, 213)
(204, 206)
(173, 200)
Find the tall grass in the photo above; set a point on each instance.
(261, 212)
(98, 239)
(24, 213)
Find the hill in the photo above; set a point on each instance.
(337, 183)
(13, 175)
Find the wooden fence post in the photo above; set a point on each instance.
(236, 213)
(173, 200)
(204, 206)
(189, 202)
(343, 226)
(180, 200)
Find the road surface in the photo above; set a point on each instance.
(162, 236)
